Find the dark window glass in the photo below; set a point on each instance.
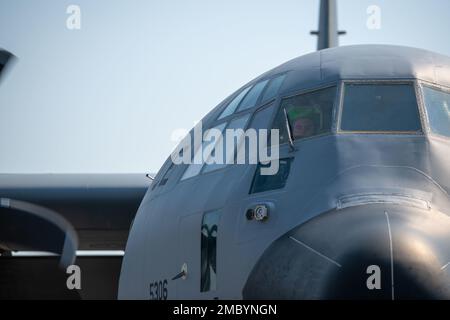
(438, 109)
(309, 114)
(273, 87)
(209, 230)
(231, 107)
(380, 107)
(263, 183)
(252, 97)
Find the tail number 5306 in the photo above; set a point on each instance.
(158, 290)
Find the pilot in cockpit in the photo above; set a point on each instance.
(304, 120)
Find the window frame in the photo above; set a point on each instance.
(307, 91)
(214, 126)
(270, 103)
(267, 81)
(417, 93)
(290, 158)
(264, 102)
(259, 103)
(240, 115)
(247, 87)
(421, 84)
(227, 122)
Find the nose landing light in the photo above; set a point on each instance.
(259, 213)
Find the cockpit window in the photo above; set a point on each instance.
(194, 168)
(309, 114)
(252, 97)
(438, 109)
(272, 88)
(380, 107)
(231, 107)
(235, 124)
(263, 183)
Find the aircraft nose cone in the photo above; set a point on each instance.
(363, 252)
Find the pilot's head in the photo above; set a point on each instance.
(302, 122)
(303, 128)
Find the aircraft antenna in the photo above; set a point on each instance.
(328, 34)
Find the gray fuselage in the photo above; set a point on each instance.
(351, 199)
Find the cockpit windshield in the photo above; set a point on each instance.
(380, 108)
(438, 109)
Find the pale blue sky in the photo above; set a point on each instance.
(107, 98)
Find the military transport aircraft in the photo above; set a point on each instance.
(366, 186)
(361, 190)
